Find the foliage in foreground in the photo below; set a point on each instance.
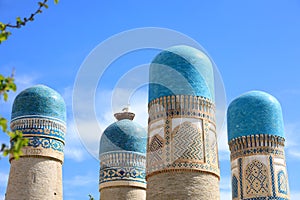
(7, 84)
(4, 33)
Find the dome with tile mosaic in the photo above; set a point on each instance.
(255, 112)
(124, 135)
(181, 65)
(39, 100)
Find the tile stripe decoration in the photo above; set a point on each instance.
(122, 168)
(184, 146)
(45, 134)
(257, 178)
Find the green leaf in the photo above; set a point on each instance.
(5, 153)
(2, 26)
(19, 20)
(45, 5)
(5, 96)
(4, 35)
(56, 1)
(3, 124)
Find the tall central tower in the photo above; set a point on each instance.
(40, 113)
(182, 158)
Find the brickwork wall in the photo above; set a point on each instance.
(121, 193)
(33, 178)
(183, 186)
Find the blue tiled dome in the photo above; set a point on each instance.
(253, 113)
(39, 100)
(181, 70)
(124, 135)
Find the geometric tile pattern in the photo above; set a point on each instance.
(122, 173)
(46, 135)
(282, 182)
(155, 149)
(257, 179)
(234, 187)
(39, 126)
(260, 178)
(262, 144)
(184, 146)
(187, 143)
(46, 143)
(213, 146)
(179, 106)
(124, 167)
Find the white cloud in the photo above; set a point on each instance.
(295, 195)
(74, 149)
(81, 180)
(294, 153)
(3, 179)
(291, 134)
(292, 140)
(224, 153)
(225, 183)
(74, 154)
(90, 125)
(67, 95)
(24, 81)
(81, 184)
(225, 195)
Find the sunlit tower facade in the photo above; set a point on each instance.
(40, 113)
(182, 154)
(256, 142)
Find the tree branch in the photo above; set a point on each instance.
(21, 22)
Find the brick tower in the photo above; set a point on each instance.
(182, 154)
(123, 160)
(40, 113)
(256, 141)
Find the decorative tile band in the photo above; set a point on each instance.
(278, 152)
(40, 126)
(257, 140)
(41, 152)
(259, 176)
(122, 167)
(46, 143)
(187, 144)
(45, 134)
(182, 106)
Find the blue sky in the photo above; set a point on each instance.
(255, 45)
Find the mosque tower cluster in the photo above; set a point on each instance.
(177, 158)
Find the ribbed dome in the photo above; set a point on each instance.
(124, 135)
(39, 100)
(181, 70)
(254, 113)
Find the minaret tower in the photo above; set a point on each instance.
(40, 113)
(123, 160)
(182, 154)
(256, 141)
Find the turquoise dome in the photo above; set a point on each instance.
(124, 135)
(181, 70)
(254, 113)
(39, 100)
